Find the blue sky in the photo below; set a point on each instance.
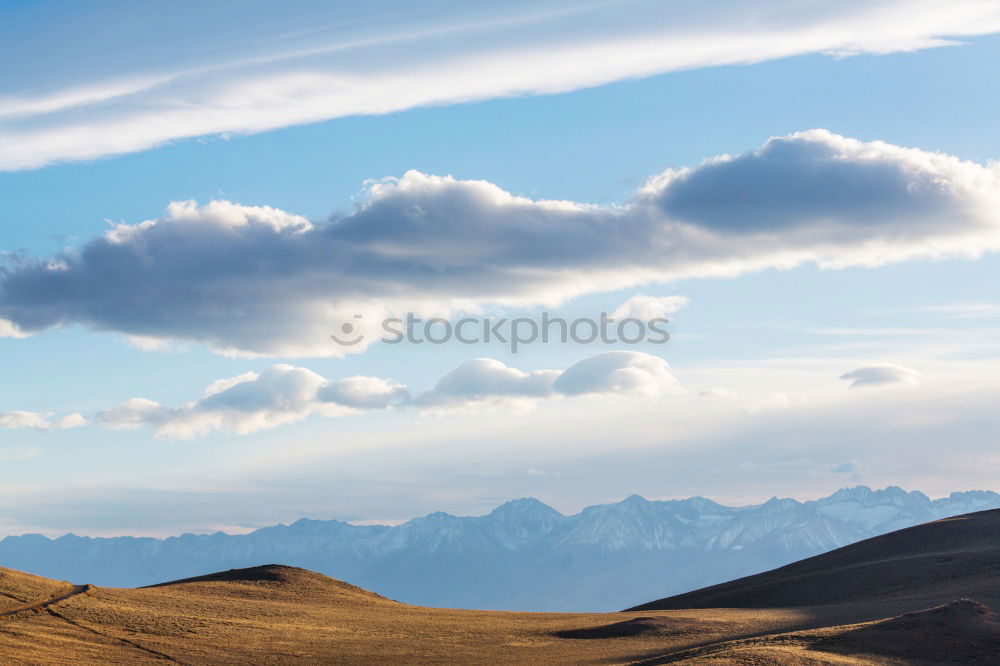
(752, 403)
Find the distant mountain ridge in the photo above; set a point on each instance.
(524, 555)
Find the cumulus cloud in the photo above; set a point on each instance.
(489, 381)
(70, 421)
(625, 372)
(362, 392)
(286, 394)
(333, 60)
(13, 420)
(133, 413)
(39, 421)
(252, 401)
(258, 280)
(880, 375)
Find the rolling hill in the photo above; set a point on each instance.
(961, 632)
(278, 614)
(927, 594)
(913, 568)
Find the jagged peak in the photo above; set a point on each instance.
(897, 492)
(700, 502)
(851, 492)
(313, 522)
(864, 493)
(781, 501)
(977, 494)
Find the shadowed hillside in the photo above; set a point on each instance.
(962, 632)
(913, 568)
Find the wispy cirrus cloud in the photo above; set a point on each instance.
(262, 281)
(242, 70)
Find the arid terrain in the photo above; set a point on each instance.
(923, 595)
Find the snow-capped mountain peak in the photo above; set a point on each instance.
(522, 555)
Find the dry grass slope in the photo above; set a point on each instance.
(858, 605)
(18, 589)
(277, 614)
(962, 632)
(912, 569)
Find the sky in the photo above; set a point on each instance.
(195, 198)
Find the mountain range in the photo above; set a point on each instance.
(920, 596)
(524, 555)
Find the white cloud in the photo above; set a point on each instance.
(133, 413)
(645, 307)
(13, 420)
(247, 403)
(9, 329)
(333, 60)
(622, 372)
(226, 383)
(286, 394)
(362, 392)
(70, 421)
(39, 421)
(486, 379)
(487, 382)
(880, 375)
(258, 280)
